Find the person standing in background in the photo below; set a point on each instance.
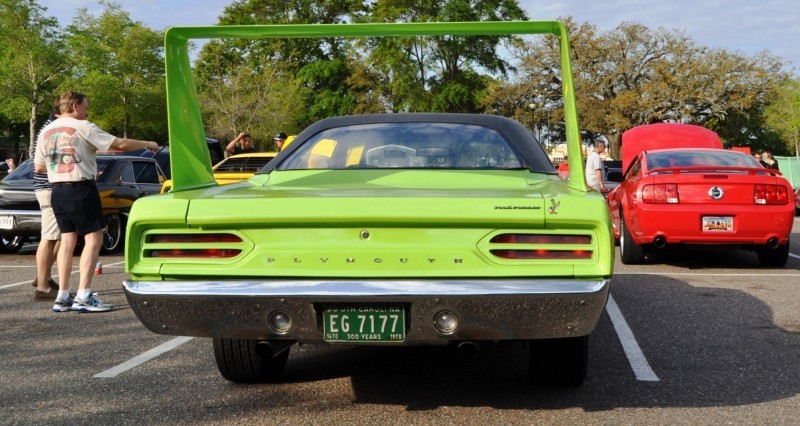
(242, 144)
(280, 140)
(67, 150)
(50, 239)
(594, 167)
(769, 161)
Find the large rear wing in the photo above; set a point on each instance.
(190, 164)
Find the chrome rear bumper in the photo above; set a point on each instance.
(502, 309)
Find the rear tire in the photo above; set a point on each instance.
(559, 362)
(773, 258)
(12, 244)
(238, 361)
(631, 253)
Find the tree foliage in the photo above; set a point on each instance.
(442, 73)
(119, 64)
(632, 76)
(31, 62)
(783, 114)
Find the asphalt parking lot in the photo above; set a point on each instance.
(695, 337)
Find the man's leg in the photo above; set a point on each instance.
(44, 264)
(91, 252)
(65, 255)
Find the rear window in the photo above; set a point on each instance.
(723, 158)
(405, 145)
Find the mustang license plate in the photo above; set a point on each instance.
(6, 222)
(718, 223)
(353, 324)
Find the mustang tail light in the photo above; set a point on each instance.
(546, 246)
(209, 246)
(770, 194)
(662, 193)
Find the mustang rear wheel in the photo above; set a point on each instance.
(560, 362)
(632, 254)
(113, 234)
(11, 244)
(773, 257)
(238, 361)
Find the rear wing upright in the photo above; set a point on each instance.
(191, 167)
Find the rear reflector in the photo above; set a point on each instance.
(664, 193)
(770, 194)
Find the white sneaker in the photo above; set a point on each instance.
(91, 304)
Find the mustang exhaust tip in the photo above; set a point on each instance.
(772, 243)
(660, 242)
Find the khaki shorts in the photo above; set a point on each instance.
(50, 229)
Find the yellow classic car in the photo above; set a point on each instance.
(235, 168)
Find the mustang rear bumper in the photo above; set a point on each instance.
(502, 309)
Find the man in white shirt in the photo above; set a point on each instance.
(594, 167)
(66, 151)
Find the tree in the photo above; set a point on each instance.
(31, 62)
(633, 76)
(244, 100)
(309, 75)
(119, 64)
(443, 73)
(783, 114)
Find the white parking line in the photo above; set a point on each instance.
(632, 350)
(794, 255)
(142, 358)
(75, 269)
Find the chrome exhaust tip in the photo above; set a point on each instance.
(772, 243)
(660, 242)
(467, 350)
(271, 349)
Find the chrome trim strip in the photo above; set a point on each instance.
(305, 288)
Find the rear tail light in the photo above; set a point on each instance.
(663, 193)
(207, 246)
(542, 246)
(770, 194)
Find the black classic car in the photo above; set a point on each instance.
(121, 180)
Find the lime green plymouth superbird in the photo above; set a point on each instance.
(391, 229)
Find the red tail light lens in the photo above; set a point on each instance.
(179, 246)
(540, 239)
(663, 193)
(770, 194)
(195, 238)
(543, 254)
(196, 253)
(553, 246)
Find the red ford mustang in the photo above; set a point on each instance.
(681, 187)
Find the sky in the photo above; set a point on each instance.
(746, 26)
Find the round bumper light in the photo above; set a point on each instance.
(446, 322)
(280, 322)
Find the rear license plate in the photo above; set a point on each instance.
(352, 324)
(718, 223)
(6, 222)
